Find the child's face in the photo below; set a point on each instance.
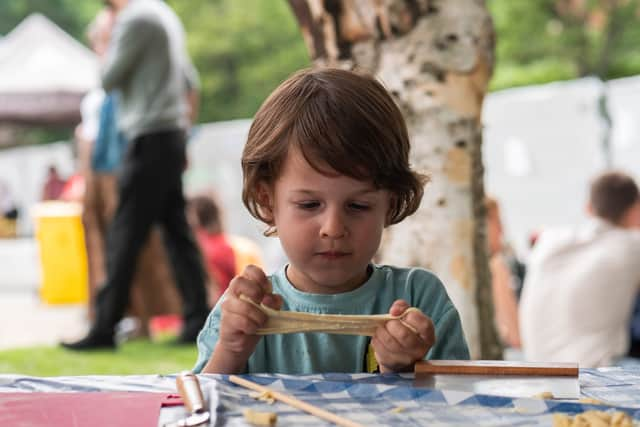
(330, 226)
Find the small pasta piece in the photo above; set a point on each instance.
(260, 418)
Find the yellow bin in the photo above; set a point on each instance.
(63, 254)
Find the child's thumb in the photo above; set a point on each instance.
(398, 307)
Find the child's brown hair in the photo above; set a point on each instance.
(342, 119)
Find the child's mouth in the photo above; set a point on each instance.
(333, 254)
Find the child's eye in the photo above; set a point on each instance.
(308, 205)
(359, 206)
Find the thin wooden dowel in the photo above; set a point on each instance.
(296, 403)
(496, 367)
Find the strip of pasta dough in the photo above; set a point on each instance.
(288, 322)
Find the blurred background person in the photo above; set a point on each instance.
(148, 63)
(582, 280)
(505, 279)
(152, 292)
(206, 218)
(225, 255)
(8, 212)
(8, 207)
(53, 185)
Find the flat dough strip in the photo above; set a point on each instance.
(289, 322)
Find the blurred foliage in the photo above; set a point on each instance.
(545, 40)
(244, 48)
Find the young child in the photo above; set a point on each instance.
(203, 212)
(326, 167)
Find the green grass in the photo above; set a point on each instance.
(132, 358)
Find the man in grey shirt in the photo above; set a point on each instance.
(148, 64)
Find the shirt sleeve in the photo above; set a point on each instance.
(207, 338)
(432, 298)
(450, 341)
(130, 38)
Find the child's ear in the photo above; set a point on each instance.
(265, 202)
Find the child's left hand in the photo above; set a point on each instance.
(396, 346)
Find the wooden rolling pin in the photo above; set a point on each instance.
(496, 367)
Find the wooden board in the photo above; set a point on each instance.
(496, 367)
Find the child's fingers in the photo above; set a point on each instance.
(242, 285)
(387, 340)
(238, 307)
(398, 307)
(423, 324)
(273, 301)
(244, 324)
(409, 342)
(387, 352)
(257, 275)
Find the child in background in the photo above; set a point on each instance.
(205, 217)
(326, 167)
(503, 280)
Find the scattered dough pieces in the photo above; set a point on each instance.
(593, 419)
(544, 395)
(264, 396)
(260, 418)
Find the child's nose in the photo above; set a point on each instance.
(333, 225)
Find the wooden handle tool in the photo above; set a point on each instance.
(189, 388)
(496, 367)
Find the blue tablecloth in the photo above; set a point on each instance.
(373, 400)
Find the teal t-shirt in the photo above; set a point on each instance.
(305, 353)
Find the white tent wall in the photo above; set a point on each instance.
(624, 104)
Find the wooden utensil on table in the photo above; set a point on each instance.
(296, 403)
(496, 367)
(189, 389)
(500, 378)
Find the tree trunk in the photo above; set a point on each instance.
(436, 59)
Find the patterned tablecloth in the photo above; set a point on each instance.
(372, 400)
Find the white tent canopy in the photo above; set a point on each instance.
(44, 72)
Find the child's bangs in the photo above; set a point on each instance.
(330, 143)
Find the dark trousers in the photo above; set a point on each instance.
(150, 191)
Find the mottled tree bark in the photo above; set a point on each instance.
(436, 59)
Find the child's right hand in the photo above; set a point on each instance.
(240, 319)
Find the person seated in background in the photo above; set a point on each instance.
(53, 185)
(8, 207)
(205, 217)
(504, 281)
(8, 212)
(582, 280)
(225, 254)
